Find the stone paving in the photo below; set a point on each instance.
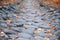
(29, 21)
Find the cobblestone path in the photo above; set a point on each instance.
(29, 21)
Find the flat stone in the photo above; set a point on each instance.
(25, 35)
(22, 39)
(8, 31)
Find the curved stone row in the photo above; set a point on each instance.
(29, 21)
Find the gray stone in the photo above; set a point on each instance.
(8, 31)
(22, 39)
(25, 35)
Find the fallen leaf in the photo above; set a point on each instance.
(9, 21)
(48, 24)
(46, 38)
(56, 1)
(47, 31)
(52, 35)
(54, 28)
(37, 30)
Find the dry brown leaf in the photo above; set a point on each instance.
(52, 35)
(54, 28)
(56, 1)
(37, 30)
(48, 24)
(9, 21)
(7, 2)
(46, 38)
(52, 3)
(47, 31)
